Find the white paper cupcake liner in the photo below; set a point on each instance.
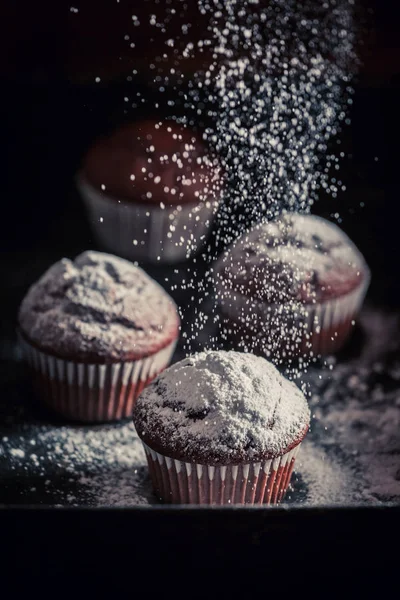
(146, 232)
(93, 392)
(180, 482)
(298, 329)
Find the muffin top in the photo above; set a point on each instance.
(221, 408)
(297, 257)
(153, 162)
(98, 308)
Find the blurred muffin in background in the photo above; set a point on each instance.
(151, 191)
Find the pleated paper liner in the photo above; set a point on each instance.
(179, 482)
(93, 392)
(147, 232)
(298, 330)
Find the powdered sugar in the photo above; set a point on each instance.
(98, 307)
(100, 466)
(222, 407)
(349, 456)
(327, 481)
(153, 162)
(17, 452)
(357, 408)
(297, 256)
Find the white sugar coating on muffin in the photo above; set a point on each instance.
(278, 258)
(100, 306)
(302, 242)
(222, 407)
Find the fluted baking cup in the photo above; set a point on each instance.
(179, 482)
(93, 392)
(147, 232)
(290, 329)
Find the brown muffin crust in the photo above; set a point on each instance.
(153, 162)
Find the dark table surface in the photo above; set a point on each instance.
(50, 223)
(356, 404)
(350, 457)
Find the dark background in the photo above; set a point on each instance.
(51, 110)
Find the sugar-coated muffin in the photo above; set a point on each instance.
(221, 428)
(95, 331)
(291, 287)
(151, 190)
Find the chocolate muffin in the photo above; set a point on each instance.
(95, 331)
(151, 190)
(221, 428)
(291, 287)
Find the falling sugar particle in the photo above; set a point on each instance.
(274, 95)
(17, 452)
(274, 109)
